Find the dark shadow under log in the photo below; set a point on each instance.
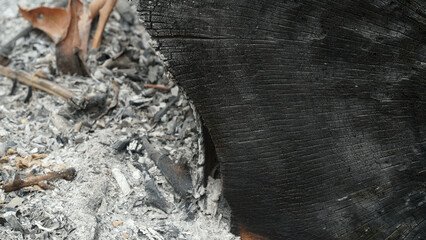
(317, 110)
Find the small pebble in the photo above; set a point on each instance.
(175, 91)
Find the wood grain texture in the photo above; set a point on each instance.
(316, 109)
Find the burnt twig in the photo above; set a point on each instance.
(14, 86)
(17, 183)
(177, 174)
(29, 95)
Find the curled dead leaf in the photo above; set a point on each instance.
(53, 21)
(11, 151)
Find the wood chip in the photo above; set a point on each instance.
(117, 223)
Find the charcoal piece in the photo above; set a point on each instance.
(102, 57)
(2, 220)
(155, 198)
(61, 139)
(177, 174)
(190, 209)
(121, 145)
(164, 110)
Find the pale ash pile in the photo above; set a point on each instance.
(118, 191)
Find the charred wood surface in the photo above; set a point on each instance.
(317, 110)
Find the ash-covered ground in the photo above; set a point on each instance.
(118, 191)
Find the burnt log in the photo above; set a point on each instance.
(317, 110)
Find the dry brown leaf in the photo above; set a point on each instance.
(4, 159)
(26, 162)
(36, 156)
(70, 29)
(10, 151)
(53, 21)
(21, 162)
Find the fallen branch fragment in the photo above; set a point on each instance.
(36, 82)
(17, 183)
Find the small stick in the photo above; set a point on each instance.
(36, 82)
(17, 183)
(156, 86)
